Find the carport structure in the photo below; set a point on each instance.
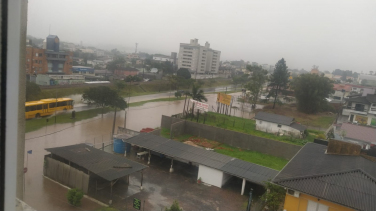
(90, 162)
(214, 168)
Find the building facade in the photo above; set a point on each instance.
(50, 80)
(48, 60)
(197, 58)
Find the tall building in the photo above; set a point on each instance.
(197, 58)
(48, 60)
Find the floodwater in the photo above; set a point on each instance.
(43, 194)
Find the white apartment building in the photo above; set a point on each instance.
(197, 58)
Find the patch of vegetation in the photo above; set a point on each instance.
(249, 126)
(252, 156)
(174, 207)
(74, 196)
(63, 117)
(274, 197)
(246, 155)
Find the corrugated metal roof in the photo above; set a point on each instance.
(298, 126)
(250, 171)
(279, 119)
(346, 180)
(97, 161)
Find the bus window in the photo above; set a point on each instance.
(27, 108)
(45, 106)
(39, 107)
(52, 105)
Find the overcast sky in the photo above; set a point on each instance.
(328, 33)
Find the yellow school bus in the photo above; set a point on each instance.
(44, 107)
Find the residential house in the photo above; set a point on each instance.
(274, 123)
(363, 90)
(328, 75)
(315, 71)
(126, 71)
(329, 178)
(341, 91)
(361, 135)
(361, 110)
(337, 77)
(367, 79)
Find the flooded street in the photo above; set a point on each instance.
(43, 194)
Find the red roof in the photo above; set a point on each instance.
(340, 87)
(362, 133)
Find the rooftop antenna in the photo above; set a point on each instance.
(136, 48)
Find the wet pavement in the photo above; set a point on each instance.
(42, 194)
(161, 188)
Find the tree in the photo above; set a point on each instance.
(311, 91)
(103, 96)
(32, 91)
(256, 82)
(74, 196)
(279, 79)
(239, 79)
(133, 78)
(184, 73)
(167, 68)
(173, 81)
(198, 94)
(273, 196)
(349, 80)
(174, 207)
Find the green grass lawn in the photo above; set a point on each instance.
(35, 124)
(246, 155)
(248, 126)
(252, 157)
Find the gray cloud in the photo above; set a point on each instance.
(331, 34)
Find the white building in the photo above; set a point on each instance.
(282, 125)
(197, 58)
(162, 58)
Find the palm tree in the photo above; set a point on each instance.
(186, 93)
(198, 94)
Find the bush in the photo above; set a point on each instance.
(321, 136)
(74, 196)
(174, 207)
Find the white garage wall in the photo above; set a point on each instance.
(210, 176)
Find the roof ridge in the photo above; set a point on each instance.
(327, 174)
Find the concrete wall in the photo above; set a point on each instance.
(236, 139)
(177, 129)
(270, 127)
(210, 176)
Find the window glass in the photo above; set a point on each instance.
(52, 105)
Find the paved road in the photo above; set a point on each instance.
(83, 107)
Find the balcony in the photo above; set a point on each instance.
(356, 110)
